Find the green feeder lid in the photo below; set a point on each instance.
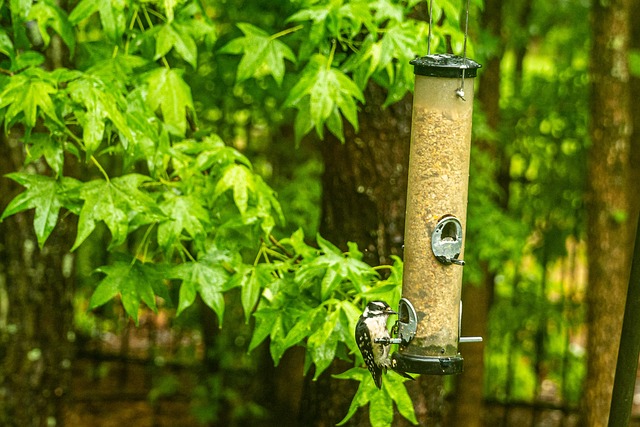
(444, 65)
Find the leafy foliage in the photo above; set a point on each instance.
(529, 224)
(335, 49)
(115, 138)
(46, 196)
(123, 138)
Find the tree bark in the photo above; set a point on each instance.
(608, 226)
(36, 312)
(468, 405)
(634, 158)
(364, 197)
(365, 180)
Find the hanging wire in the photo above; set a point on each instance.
(460, 90)
(430, 23)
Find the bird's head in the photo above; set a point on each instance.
(376, 309)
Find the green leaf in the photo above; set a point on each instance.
(347, 324)
(265, 319)
(6, 45)
(83, 10)
(133, 280)
(185, 213)
(186, 297)
(208, 279)
(398, 393)
(113, 19)
(98, 102)
(380, 401)
(175, 36)
(118, 203)
(29, 93)
(252, 285)
(49, 15)
(327, 89)
(322, 344)
(381, 408)
(44, 194)
(240, 179)
(303, 327)
(169, 6)
(397, 38)
(169, 93)
(263, 54)
(365, 390)
(41, 144)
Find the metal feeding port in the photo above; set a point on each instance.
(405, 327)
(446, 240)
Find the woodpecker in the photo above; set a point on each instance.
(372, 325)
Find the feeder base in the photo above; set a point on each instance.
(428, 365)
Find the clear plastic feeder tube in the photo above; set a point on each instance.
(437, 198)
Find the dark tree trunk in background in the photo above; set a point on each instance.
(608, 232)
(36, 298)
(468, 408)
(36, 311)
(364, 197)
(634, 158)
(365, 180)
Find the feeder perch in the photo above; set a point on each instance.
(430, 310)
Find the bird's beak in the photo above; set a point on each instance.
(390, 311)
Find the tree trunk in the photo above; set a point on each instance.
(635, 115)
(364, 197)
(365, 180)
(608, 232)
(468, 408)
(36, 312)
(468, 405)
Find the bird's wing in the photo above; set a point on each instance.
(363, 339)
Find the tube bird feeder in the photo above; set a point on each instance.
(430, 310)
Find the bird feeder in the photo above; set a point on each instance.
(429, 314)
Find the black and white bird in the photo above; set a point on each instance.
(372, 326)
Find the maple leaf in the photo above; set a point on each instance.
(119, 203)
(176, 36)
(205, 278)
(48, 14)
(28, 93)
(170, 93)
(134, 281)
(240, 179)
(320, 92)
(44, 194)
(186, 213)
(263, 54)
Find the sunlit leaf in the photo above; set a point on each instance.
(118, 203)
(176, 36)
(133, 281)
(186, 214)
(83, 10)
(49, 15)
(44, 194)
(28, 93)
(327, 89)
(239, 179)
(209, 280)
(263, 54)
(170, 94)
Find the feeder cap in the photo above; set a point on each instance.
(444, 65)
